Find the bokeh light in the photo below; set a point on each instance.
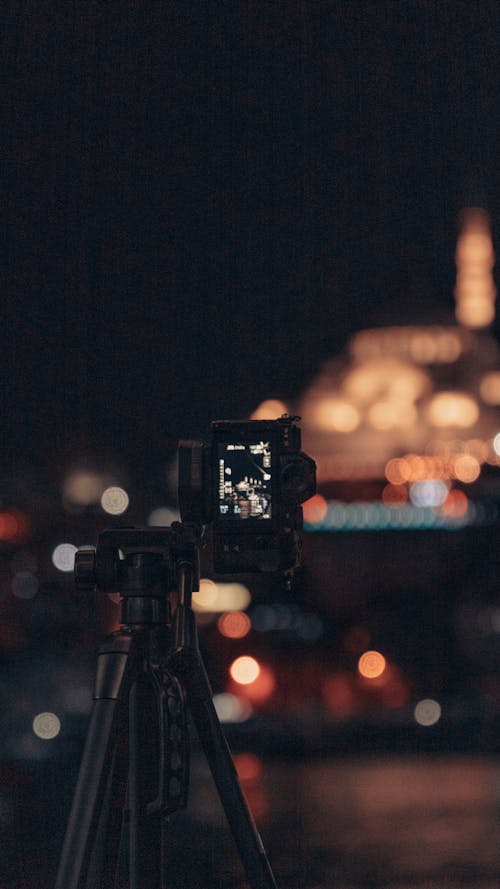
(315, 509)
(453, 409)
(63, 556)
(489, 388)
(231, 708)
(234, 624)
(83, 487)
(46, 726)
(206, 596)
(371, 664)
(163, 516)
(466, 468)
(115, 500)
(432, 492)
(271, 409)
(13, 525)
(215, 597)
(427, 712)
(334, 414)
(248, 766)
(394, 495)
(260, 688)
(244, 669)
(456, 504)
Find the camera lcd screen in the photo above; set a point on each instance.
(245, 481)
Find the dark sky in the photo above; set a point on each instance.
(205, 199)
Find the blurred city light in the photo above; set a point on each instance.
(432, 492)
(63, 556)
(46, 726)
(333, 414)
(261, 687)
(114, 500)
(271, 409)
(244, 669)
(489, 388)
(379, 516)
(453, 409)
(456, 504)
(315, 508)
(163, 516)
(14, 525)
(234, 625)
(371, 664)
(83, 487)
(231, 708)
(248, 766)
(427, 712)
(466, 468)
(206, 596)
(215, 597)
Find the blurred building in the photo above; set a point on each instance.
(407, 418)
(401, 550)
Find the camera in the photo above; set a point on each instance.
(246, 484)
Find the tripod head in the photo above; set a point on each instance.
(145, 566)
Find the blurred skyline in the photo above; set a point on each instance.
(205, 201)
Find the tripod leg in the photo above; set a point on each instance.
(243, 827)
(88, 798)
(146, 828)
(108, 723)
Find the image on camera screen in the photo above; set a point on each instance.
(245, 480)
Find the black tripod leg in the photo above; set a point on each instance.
(146, 827)
(108, 723)
(244, 830)
(89, 795)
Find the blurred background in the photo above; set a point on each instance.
(229, 210)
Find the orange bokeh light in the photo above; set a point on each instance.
(339, 694)
(244, 669)
(371, 664)
(395, 495)
(456, 504)
(271, 409)
(256, 689)
(234, 624)
(248, 766)
(397, 471)
(466, 468)
(315, 509)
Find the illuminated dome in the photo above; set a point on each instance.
(409, 416)
(403, 390)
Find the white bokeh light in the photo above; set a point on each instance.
(114, 500)
(46, 726)
(63, 556)
(427, 712)
(231, 708)
(163, 516)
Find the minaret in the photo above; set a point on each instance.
(475, 291)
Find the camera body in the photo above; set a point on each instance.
(247, 483)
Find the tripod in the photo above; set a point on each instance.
(135, 766)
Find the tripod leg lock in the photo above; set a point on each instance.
(173, 777)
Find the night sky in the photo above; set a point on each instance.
(205, 199)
